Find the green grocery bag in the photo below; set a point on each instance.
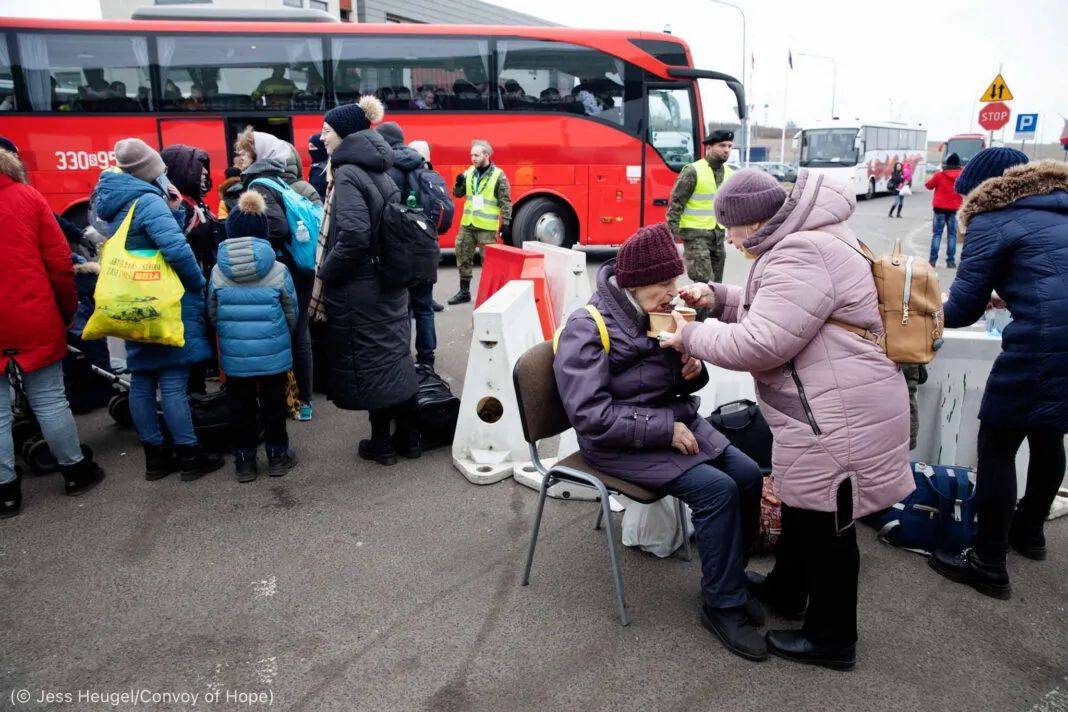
(137, 298)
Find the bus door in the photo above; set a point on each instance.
(670, 143)
(207, 133)
(278, 126)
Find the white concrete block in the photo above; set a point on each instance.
(565, 273)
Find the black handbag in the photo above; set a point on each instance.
(437, 409)
(743, 424)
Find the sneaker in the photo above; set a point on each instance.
(305, 412)
(195, 463)
(281, 463)
(966, 568)
(378, 451)
(779, 604)
(732, 627)
(793, 645)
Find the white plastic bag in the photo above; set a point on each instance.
(905, 189)
(655, 527)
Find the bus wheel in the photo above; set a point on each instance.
(544, 220)
(871, 190)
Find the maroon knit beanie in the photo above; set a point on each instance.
(649, 256)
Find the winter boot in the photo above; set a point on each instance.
(245, 465)
(380, 451)
(779, 604)
(1027, 537)
(159, 461)
(11, 496)
(436, 306)
(899, 210)
(794, 645)
(988, 579)
(81, 476)
(891, 213)
(464, 295)
(280, 460)
(195, 463)
(734, 630)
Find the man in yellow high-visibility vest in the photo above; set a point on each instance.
(487, 212)
(690, 214)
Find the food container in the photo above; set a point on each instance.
(664, 321)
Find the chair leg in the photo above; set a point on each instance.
(600, 518)
(607, 517)
(680, 510)
(537, 525)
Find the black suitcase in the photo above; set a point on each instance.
(437, 409)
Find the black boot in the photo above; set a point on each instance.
(81, 476)
(436, 306)
(11, 495)
(195, 463)
(1026, 537)
(899, 211)
(793, 645)
(159, 461)
(734, 629)
(407, 440)
(464, 295)
(780, 604)
(988, 579)
(280, 460)
(380, 451)
(891, 213)
(245, 466)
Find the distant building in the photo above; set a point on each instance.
(466, 12)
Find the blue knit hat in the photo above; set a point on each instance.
(249, 217)
(988, 163)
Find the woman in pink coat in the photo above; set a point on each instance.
(837, 406)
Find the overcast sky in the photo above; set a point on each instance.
(919, 61)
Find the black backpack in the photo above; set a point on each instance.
(407, 251)
(432, 193)
(743, 424)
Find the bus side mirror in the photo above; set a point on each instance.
(858, 144)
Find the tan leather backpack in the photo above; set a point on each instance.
(910, 304)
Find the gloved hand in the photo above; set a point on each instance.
(461, 179)
(506, 233)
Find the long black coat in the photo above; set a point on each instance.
(368, 327)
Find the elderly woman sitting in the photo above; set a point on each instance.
(636, 419)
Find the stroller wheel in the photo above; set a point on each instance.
(28, 445)
(22, 430)
(119, 409)
(40, 459)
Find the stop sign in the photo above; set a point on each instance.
(993, 116)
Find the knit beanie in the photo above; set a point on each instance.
(350, 118)
(249, 218)
(988, 163)
(952, 161)
(392, 132)
(140, 160)
(649, 256)
(749, 196)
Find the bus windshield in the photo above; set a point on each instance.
(965, 148)
(828, 148)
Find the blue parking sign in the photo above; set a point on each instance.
(1026, 125)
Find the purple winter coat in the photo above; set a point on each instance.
(624, 404)
(850, 417)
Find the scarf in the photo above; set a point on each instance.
(317, 305)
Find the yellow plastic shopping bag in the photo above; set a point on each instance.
(137, 298)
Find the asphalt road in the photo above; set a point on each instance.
(344, 586)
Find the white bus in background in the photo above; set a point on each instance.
(862, 154)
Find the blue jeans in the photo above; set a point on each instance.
(173, 384)
(949, 222)
(48, 401)
(725, 498)
(421, 298)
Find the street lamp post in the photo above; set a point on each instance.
(834, 76)
(745, 119)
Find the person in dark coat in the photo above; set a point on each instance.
(1015, 219)
(317, 170)
(636, 419)
(189, 170)
(155, 227)
(230, 191)
(368, 329)
(896, 181)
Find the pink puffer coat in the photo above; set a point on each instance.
(837, 406)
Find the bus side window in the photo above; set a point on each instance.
(7, 81)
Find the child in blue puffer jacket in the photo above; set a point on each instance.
(252, 302)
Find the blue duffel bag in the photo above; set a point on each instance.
(938, 515)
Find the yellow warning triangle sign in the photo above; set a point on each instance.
(997, 91)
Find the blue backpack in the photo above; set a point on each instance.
(940, 513)
(304, 218)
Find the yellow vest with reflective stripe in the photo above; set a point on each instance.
(487, 216)
(699, 213)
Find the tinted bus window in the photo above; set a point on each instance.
(7, 82)
(553, 76)
(413, 73)
(670, 53)
(204, 73)
(83, 72)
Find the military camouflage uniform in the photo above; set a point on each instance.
(471, 238)
(703, 250)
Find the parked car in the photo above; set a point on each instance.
(780, 171)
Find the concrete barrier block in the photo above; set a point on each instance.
(565, 271)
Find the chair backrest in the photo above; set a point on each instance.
(540, 409)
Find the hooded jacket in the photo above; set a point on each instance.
(185, 164)
(838, 408)
(156, 227)
(294, 175)
(37, 290)
(252, 302)
(271, 156)
(367, 321)
(1016, 242)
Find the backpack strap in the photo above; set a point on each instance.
(866, 334)
(602, 330)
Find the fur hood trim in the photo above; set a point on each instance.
(11, 166)
(87, 268)
(1041, 178)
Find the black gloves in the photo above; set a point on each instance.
(461, 180)
(506, 232)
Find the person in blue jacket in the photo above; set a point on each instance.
(253, 304)
(141, 185)
(1015, 217)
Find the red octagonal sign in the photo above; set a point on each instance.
(993, 116)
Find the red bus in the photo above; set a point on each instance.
(591, 127)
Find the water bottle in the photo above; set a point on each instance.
(996, 321)
(412, 202)
(302, 232)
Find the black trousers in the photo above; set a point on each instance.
(995, 485)
(382, 419)
(817, 557)
(256, 400)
